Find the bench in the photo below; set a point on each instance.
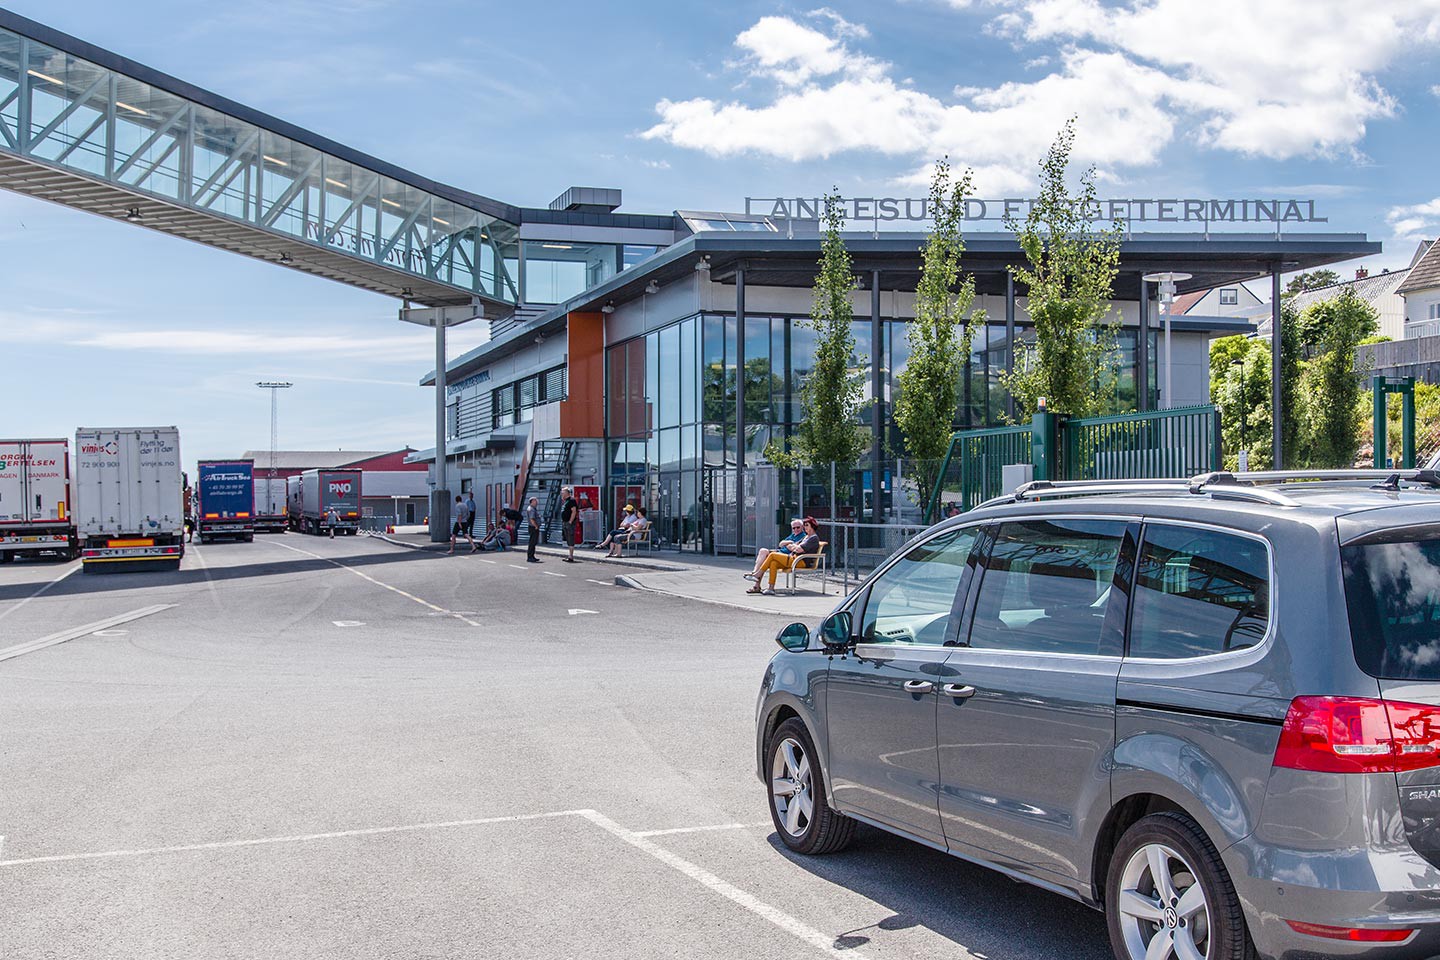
(810, 563)
(636, 539)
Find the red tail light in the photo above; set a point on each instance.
(1353, 934)
(1358, 735)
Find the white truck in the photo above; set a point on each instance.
(35, 514)
(129, 498)
(271, 512)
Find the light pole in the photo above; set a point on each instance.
(274, 386)
(1167, 280)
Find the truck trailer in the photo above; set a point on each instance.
(226, 500)
(35, 508)
(271, 513)
(129, 498)
(315, 493)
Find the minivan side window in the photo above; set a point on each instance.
(1045, 586)
(1197, 592)
(911, 601)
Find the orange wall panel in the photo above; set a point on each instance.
(582, 412)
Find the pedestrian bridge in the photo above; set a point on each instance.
(92, 130)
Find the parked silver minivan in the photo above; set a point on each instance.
(1210, 708)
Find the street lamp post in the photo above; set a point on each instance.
(274, 386)
(1167, 280)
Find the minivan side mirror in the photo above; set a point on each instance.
(836, 630)
(794, 637)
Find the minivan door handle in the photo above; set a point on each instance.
(918, 686)
(960, 691)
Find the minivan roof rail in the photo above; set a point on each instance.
(1214, 485)
(1391, 477)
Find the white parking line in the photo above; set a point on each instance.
(297, 838)
(519, 566)
(797, 928)
(552, 573)
(379, 583)
(483, 560)
(603, 583)
(719, 826)
(76, 632)
(43, 587)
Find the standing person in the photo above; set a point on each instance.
(569, 516)
(332, 519)
(532, 521)
(470, 516)
(459, 527)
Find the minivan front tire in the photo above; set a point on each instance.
(1166, 880)
(805, 821)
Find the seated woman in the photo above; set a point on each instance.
(500, 537)
(626, 523)
(789, 555)
(797, 533)
(641, 524)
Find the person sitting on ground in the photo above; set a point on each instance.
(641, 524)
(797, 533)
(790, 555)
(626, 522)
(500, 537)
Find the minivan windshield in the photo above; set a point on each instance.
(1392, 589)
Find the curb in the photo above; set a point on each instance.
(623, 581)
(549, 552)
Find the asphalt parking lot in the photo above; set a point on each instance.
(309, 748)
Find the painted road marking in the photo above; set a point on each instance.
(803, 931)
(552, 573)
(378, 583)
(76, 632)
(796, 928)
(348, 623)
(603, 583)
(43, 587)
(576, 611)
(483, 560)
(110, 633)
(718, 826)
(296, 838)
(519, 566)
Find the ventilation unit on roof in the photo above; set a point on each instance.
(587, 200)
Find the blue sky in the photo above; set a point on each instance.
(696, 106)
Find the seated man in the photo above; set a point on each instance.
(797, 533)
(500, 537)
(790, 555)
(636, 529)
(626, 523)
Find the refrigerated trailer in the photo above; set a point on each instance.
(35, 509)
(129, 498)
(226, 494)
(270, 510)
(314, 494)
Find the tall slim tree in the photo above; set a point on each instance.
(1068, 284)
(831, 396)
(939, 336)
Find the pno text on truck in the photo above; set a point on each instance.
(325, 500)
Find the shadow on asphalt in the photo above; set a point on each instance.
(981, 910)
(82, 583)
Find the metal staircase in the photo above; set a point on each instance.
(549, 464)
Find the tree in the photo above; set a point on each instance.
(1331, 388)
(1311, 280)
(939, 336)
(1240, 388)
(831, 394)
(1068, 284)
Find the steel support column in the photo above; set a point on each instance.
(1009, 339)
(740, 410)
(877, 402)
(1142, 351)
(440, 496)
(1277, 451)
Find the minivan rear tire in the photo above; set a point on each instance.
(1178, 841)
(825, 830)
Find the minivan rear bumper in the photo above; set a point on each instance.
(1368, 889)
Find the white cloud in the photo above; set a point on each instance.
(1418, 221)
(1280, 79)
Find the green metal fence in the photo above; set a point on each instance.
(1136, 446)
(1141, 446)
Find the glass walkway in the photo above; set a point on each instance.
(86, 128)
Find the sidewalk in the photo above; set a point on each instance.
(687, 576)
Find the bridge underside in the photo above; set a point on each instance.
(82, 127)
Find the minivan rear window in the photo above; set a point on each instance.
(1392, 590)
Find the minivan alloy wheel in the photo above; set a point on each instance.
(1162, 906)
(791, 783)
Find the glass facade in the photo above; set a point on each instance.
(556, 270)
(670, 414)
(74, 114)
